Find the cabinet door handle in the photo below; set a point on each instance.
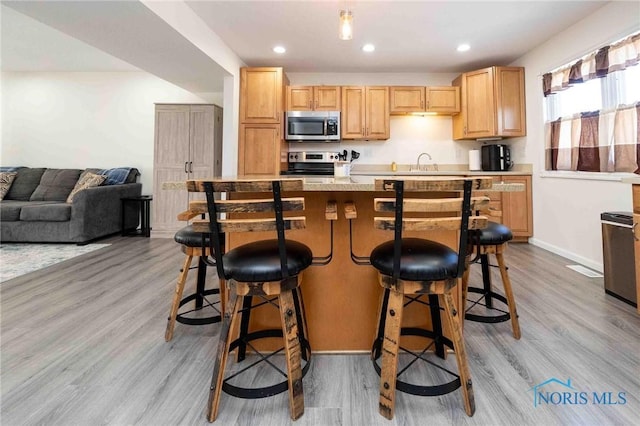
(316, 104)
(310, 104)
(633, 231)
(190, 166)
(422, 104)
(465, 130)
(186, 170)
(367, 132)
(363, 133)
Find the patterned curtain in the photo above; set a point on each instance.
(607, 141)
(608, 59)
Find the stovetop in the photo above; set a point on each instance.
(318, 163)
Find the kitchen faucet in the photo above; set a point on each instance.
(418, 168)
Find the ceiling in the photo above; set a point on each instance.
(415, 36)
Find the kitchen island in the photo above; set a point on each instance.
(341, 299)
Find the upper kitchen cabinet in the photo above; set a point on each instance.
(404, 99)
(261, 147)
(262, 95)
(442, 99)
(409, 99)
(313, 98)
(493, 104)
(365, 112)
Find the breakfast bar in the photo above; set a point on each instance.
(341, 298)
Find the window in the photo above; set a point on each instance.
(592, 111)
(613, 90)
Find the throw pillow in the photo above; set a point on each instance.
(116, 176)
(6, 179)
(89, 180)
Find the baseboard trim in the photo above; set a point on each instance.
(162, 234)
(568, 254)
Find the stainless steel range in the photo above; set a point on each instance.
(312, 163)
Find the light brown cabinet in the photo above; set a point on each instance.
(365, 112)
(405, 99)
(432, 99)
(261, 95)
(492, 103)
(187, 145)
(313, 98)
(442, 99)
(517, 208)
(513, 209)
(261, 147)
(494, 211)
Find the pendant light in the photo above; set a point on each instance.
(346, 25)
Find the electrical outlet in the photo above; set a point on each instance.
(459, 153)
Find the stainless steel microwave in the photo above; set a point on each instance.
(318, 126)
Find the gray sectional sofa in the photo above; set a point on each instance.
(35, 209)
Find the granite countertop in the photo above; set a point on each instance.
(443, 170)
(435, 173)
(352, 183)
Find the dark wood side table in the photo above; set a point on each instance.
(143, 204)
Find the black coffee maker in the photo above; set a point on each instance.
(496, 158)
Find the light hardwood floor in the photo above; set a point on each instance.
(82, 343)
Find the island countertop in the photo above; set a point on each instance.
(360, 183)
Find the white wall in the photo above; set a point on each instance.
(410, 135)
(81, 120)
(567, 212)
(184, 20)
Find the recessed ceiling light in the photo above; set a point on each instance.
(279, 49)
(463, 47)
(368, 47)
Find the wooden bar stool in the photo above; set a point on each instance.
(193, 244)
(269, 270)
(413, 268)
(491, 240)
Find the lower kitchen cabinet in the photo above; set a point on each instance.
(494, 212)
(517, 208)
(513, 209)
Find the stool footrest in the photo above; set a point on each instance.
(433, 390)
(488, 318)
(198, 321)
(267, 391)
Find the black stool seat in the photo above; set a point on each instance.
(193, 246)
(492, 240)
(260, 261)
(190, 238)
(494, 233)
(420, 260)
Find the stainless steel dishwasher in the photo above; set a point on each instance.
(618, 257)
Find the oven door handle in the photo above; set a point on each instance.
(326, 123)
